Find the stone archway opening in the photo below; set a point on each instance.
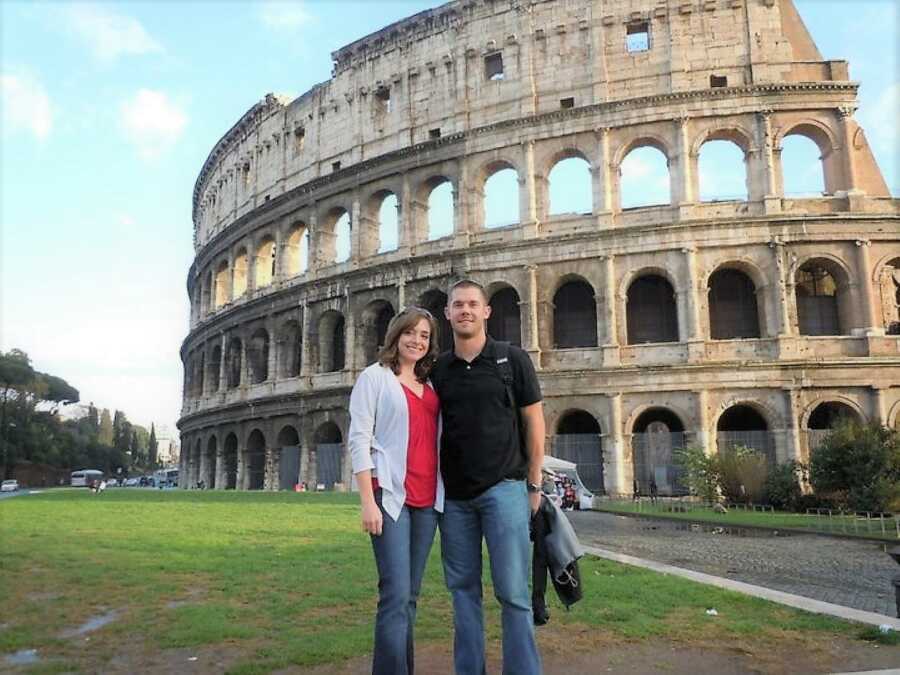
(826, 417)
(733, 311)
(329, 444)
(255, 460)
(651, 311)
(209, 478)
(435, 301)
(288, 443)
(230, 458)
(656, 436)
(578, 439)
(505, 322)
(574, 316)
(743, 425)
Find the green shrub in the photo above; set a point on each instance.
(742, 474)
(699, 472)
(782, 488)
(858, 467)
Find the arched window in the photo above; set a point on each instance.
(570, 187)
(656, 435)
(239, 278)
(743, 425)
(440, 209)
(329, 455)
(578, 440)
(435, 301)
(201, 373)
(817, 301)
(290, 348)
(222, 291)
(825, 417)
(574, 316)
(265, 262)
(255, 460)
(644, 178)
(505, 323)
(375, 319)
(230, 458)
(389, 224)
(722, 171)
(342, 238)
(501, 198)
(732, 306)
(205, 292)
(889, 289)
(802, 168)
(331, 342)
(234, 363)
(215, 365)
(258, 356)
(651, 311)
(297, 251)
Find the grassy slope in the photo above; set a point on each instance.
(289, 579)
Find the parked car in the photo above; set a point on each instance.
(9, 486)
(131, 482)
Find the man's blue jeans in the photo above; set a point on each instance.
(401, 552)
(501, 515)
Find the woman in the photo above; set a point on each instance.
(393, 448)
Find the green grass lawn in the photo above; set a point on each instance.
(288, 578)
(836, 524)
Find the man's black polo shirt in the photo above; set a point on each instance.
(479, 443)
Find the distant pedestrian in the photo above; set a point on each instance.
(654, 491)
(635, 490)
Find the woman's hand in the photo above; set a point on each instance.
(371, 518)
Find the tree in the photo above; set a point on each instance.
(741, 473)
(699, 472)
(858, 466)
(105, 435)
(153, 446)
(93, 418)
(783, 489)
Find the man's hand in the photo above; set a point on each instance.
(372, 519)
(534, 499)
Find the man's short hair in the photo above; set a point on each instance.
(467, 283)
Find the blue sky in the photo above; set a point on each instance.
(109, 111)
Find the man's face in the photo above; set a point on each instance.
(467, 311)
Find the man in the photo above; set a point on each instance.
(492, 482)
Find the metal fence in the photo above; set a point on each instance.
(328, 463)
(654, 459)
(585, 450)
(761, 441)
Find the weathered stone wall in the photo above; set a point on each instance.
(274, 177)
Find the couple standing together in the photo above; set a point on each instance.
(456, 438)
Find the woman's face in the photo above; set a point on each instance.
(414, 341)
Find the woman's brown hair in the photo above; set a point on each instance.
(389, 355)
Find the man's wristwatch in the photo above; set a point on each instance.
(533, 488)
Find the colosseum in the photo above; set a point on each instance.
(758, 320)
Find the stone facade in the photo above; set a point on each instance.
(754, 321)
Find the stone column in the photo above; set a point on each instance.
(221, 476)
(845, 114)
(271, 477)
(702, 433)
(272, 364)
(618, 476)
(529, 208)
(462, 206)
(223, 369)
(793, 442)
(306, 367)
(350, 356)
(532, 339)
(609, 177)
(879, 405)
(783, 287)
(864, 283)
(401, 295)
(695, 338)
(356, 232)
(764, 126)
(685, 187)
(610, 336)
(203, 469)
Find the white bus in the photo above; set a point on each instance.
(166, 478)
(86, 477)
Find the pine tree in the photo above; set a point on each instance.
(152, 446)
(105, 436)
(93, 418)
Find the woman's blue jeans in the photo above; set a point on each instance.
(401, 552)
(501, 516)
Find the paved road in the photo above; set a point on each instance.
(846, 572)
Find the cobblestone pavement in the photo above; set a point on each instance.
(845, 572)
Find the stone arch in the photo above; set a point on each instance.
(574, 313)
(438, 195)
(215, 367)
(657, 433)
(264, 265)
(505, 322)
(580, 184)
(893, 418)
(716, 161)
(296, 250)
(255, 460)
(288, 449)
(579, 439)
(641, 140)
(495, 180)
(212, 458)
(749, 423)
(435, 300)
(234, 363)
(329, 444)
(230, 456)
(808, 418)
(380, 231)
(374, 321)
(332, 341)
(886, 279)
(239, 273)
(734, 133)
(258, 355)
(733, 303)
(823, 294)
(824, 139)
(290, 348)
(222, 285)
(651, 310)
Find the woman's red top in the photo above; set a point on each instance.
(421, 452)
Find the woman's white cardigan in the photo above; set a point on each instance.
(379, 435)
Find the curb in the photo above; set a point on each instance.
(789, 599)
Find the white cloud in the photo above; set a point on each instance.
(286, 16)
(152, 122)
(108, 34)
(25, 105)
